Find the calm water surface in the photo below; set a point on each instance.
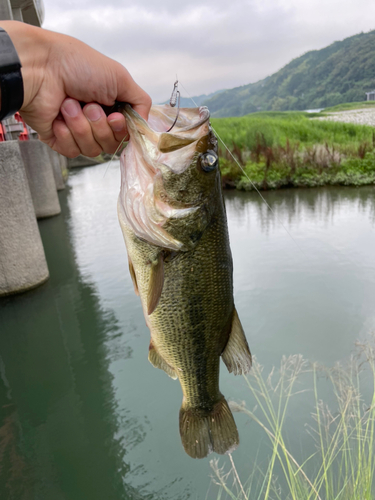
(84, 416)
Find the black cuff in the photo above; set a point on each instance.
(11, 82)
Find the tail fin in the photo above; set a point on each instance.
(202, 433)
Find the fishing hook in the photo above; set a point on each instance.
(175, 99)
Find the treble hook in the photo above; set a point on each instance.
(175, 97)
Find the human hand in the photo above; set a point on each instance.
(59, 72)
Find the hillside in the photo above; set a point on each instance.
(341, 72)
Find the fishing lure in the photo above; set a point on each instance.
(175, 99)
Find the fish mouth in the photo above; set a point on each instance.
(162, 117)
(174, 149)
(189, 120)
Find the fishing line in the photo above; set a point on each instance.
(263, 199)
(114, 154)
(251, 182)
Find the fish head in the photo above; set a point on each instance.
(188, 175)
(174, 175)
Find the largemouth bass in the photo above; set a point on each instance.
(171, 211)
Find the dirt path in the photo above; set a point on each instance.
(357, 116)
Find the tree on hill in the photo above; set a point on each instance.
(342, 72)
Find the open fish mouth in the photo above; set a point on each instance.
(150, 152)
(173, 149)
(189, 119)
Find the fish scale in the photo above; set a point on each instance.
(186, 294)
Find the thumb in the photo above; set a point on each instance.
(129, 91)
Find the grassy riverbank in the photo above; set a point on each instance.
(347, 106)
(286, 149)
(341, 462)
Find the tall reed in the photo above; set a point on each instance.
(342, 433)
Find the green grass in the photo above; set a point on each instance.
(342, 433)
(349, 105)
(296, 127)
(289, 149)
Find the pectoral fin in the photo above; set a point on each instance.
(158, 362)
(156, 283)
(133, 276)
(236, 354)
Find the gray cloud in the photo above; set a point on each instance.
(210, 44)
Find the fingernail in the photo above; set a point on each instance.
(71, 108)
(116, 125)
(93, 112)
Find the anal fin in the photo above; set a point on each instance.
(158, 362)
(236, 355)
(156, 283)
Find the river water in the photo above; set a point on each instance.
(84, 416)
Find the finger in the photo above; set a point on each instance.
(101, 129)
(63, 142)
(118, 125)
(80, 128)
(143, 107)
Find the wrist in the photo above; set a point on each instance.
(32, 49)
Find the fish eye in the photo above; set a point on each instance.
(209, 161)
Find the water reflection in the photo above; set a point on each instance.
(83, 415)
(58, 420)
(292, 207)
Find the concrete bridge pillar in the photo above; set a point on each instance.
(6, 10)
(64, 167)
(57, 173)
(22, 261)
(41, 180)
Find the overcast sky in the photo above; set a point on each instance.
(211, 45)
